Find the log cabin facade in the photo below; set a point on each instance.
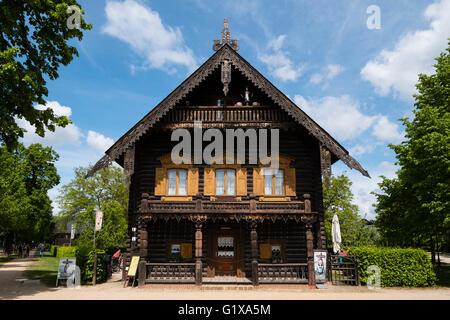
(190, 223)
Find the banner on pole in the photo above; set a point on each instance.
(98, 220)
(72, 232)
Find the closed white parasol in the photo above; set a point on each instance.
(336, 234)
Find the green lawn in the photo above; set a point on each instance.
(44, 269)
(443, 275)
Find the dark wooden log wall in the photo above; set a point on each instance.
(297, 144)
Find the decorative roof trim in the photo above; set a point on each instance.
(226, 52)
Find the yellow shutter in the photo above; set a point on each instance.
(265, 251)
(186, 250)
(258, 182)
(209, 182)
(160, 182)
(241, 186)
(290, 184)
(192, 182)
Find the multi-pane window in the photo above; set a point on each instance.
(273, 182)
(177, 182)
(225, 182)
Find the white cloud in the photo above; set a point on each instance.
(362, 186)
(331, 71)
(359, 150)
(340, 116)
(385, 130)
(397, 70)
(70, 135)
(343, 119)
(139, 26)
(280, 66)
(99, 141)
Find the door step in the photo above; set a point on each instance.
(226, 281)
(223, 287)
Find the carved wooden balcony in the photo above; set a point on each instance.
(216, 115)
(150, 205)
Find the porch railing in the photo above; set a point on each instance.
(227, 114)
(170, 272)
(283, 273)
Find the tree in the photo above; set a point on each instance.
(26, 176)
(33, 44)
(414, 207)
(338, 198)
(105, 191)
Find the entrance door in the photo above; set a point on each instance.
(225, 253)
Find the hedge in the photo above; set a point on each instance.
(85, 261)
(66, 252)
(398, 267)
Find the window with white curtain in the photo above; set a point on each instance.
(177, 182)
(225, 182)
(273, 182)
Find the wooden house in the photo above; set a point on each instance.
(194, 222)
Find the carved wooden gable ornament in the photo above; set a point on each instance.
(226, 57)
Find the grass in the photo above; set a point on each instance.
(44, 269)
(443, 275)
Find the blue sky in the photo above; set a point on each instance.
(354, 81)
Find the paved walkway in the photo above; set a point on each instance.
(13, 285)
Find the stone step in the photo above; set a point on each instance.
(206, 287)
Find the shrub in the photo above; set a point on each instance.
(48, 247)
(85, 261)
(63, 252)
(398, 267)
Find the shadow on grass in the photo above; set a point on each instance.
(44, 269)
(443, 275)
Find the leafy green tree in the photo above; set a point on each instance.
(34, 43)
(338, 198)
(105, 191)
(415, 206)
(27, 174)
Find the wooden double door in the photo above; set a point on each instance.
(225, 251)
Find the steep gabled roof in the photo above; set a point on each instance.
(226, 52)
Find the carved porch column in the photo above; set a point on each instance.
(254, 243)
(143, 244)
(198, 253)
(308, 220)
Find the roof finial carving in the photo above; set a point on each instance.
(225, 38)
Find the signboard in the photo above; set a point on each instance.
(133, 266)
(98, 220)
(320, 266)
(66, 268)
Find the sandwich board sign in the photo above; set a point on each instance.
(320, 266)
(66, 268)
